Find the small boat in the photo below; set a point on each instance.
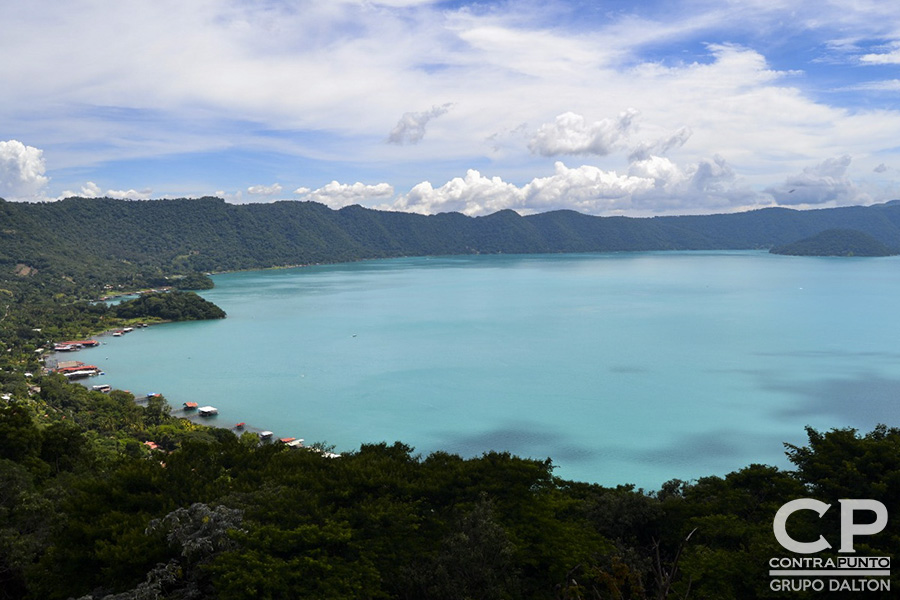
(239, 425)
(294, 443)
(265, 435)
(286, 440)
(207, 411)
(190, 405)
(154, 395)
(101, 388)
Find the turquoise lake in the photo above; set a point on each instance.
(622, 368)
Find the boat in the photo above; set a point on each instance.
(265, 435)
(81, 374)
(102, 388)
(239, 425)
(298, 443)
(207, 411)
(79, 371)
(286, 440)
(83, 343)
(190, 405)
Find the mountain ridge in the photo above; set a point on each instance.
(209, 234)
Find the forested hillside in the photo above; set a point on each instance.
(105, 496)
(157, 237)
(837, 242)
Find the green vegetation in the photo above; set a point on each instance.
(837, 242)
(103, 496)
(192, 281)
(93, 240)
(170, 306)
(88, 510)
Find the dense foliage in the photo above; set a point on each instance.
(108, 496)
(87, 510)
(836, 242)
(88, 239)
(170, 306)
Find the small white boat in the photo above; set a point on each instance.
(207, 411)
(265, 435)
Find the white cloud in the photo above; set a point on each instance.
(585, 189)
(570, 133)
(22, 171)
(338, 195)
(410, 129)
(662, 146)
(887, 85)
(320, 84)
(886, 58)
(144, 194)
(235, 198)
(92, 190)
(264, 190)
(824, 183)
(472, 195)
(88, 190)
(706, 184)
(653, 185)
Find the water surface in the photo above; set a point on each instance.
(630, 367)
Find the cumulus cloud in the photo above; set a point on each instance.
(824, 183)
(660, 147)
(472, 195)
(88, 190)
(880, 168)
(22, 171)
(92, 190)
(338, 195)
(410, 129)
(144, 194)
(586, 188)
(264, 190)
(570, 133)
(708, 183)
(235, 198)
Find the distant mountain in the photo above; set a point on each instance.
(93, 237)
(837, 242)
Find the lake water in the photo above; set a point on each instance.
(622, 368)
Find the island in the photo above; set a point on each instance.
(837, 242)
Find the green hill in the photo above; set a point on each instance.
(836, 242)
(95, 240)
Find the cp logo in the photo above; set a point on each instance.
(849, 528)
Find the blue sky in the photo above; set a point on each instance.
(608, 108)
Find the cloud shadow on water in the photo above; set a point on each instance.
(862, 401)
(519, 439)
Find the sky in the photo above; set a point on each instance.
(608, 108)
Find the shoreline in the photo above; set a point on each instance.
(53, 358)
